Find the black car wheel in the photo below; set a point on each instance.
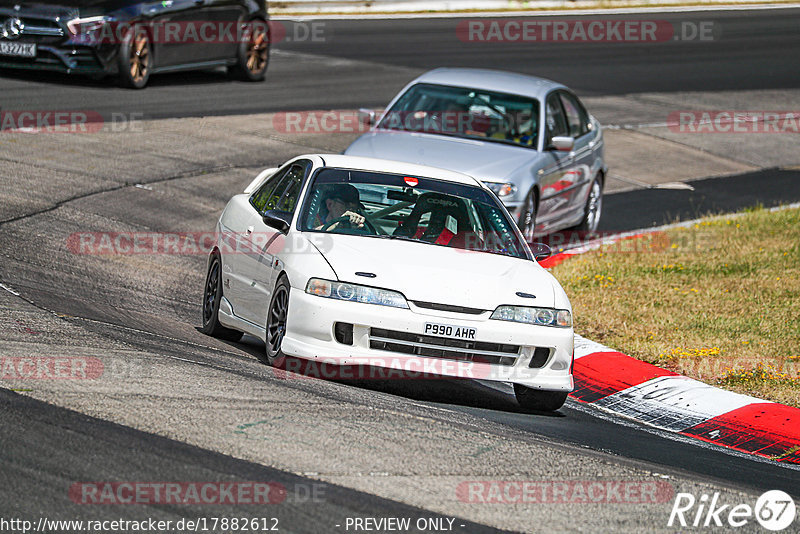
(527, 217)
(135, 59)
(212, 295)
(253, 54)
(276, 323)
(538, 400)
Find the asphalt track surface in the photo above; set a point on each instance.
(46, 448)
(121, 453)
(750, 50)
(644, 208)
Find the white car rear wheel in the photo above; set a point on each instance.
(212, 295)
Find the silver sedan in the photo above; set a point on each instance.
(529, 139)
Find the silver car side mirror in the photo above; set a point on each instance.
(541, 251)
(366, 116)
(563, 144)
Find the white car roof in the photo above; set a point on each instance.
(491, 80)
(395, 167)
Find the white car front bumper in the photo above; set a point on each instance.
(310, 335)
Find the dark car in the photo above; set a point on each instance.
(133, 39)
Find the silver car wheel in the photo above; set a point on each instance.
(594, 207)
(527, 219)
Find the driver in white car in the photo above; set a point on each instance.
(341, 200)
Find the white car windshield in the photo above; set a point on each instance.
(412, 208)
(467, 113)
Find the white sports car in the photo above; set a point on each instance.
(358, 261)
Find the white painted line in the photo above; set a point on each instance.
(674, 403)
(585, 347)
(9, 290)
(606, 415)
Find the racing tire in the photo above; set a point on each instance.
(539, 400)
(252, 57)
(593, 209)
(135, 59)
(276, 324)
(212, 296)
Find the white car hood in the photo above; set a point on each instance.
(482, 160)
(443, 275)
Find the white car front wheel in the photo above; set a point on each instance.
(538, 400)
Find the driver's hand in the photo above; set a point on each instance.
(355, 218)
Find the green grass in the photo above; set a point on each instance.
(718, 301)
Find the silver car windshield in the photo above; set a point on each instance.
(410, 208)
(467, 113)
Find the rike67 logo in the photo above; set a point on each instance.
(774, 510)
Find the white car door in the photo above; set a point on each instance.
(260, 266)
(236, 226)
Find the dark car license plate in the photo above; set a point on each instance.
(17, 49)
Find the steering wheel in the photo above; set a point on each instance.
(346, 218)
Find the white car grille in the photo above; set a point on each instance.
(441, 347)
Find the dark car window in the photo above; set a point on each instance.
(577, 118)
(281, 190)
(411, 208)
(467, 113)
(290, 189)
(262, 194)
(556, 125)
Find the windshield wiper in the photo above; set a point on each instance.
(498, 252)
(403, 238)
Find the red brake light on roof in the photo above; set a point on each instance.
(413, 182)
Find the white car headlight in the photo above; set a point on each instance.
(355, 293)
(535, 316)
(502, 190)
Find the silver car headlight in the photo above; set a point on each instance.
(355, 293)
(79, 26)
(535, 316)
(502, 190)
